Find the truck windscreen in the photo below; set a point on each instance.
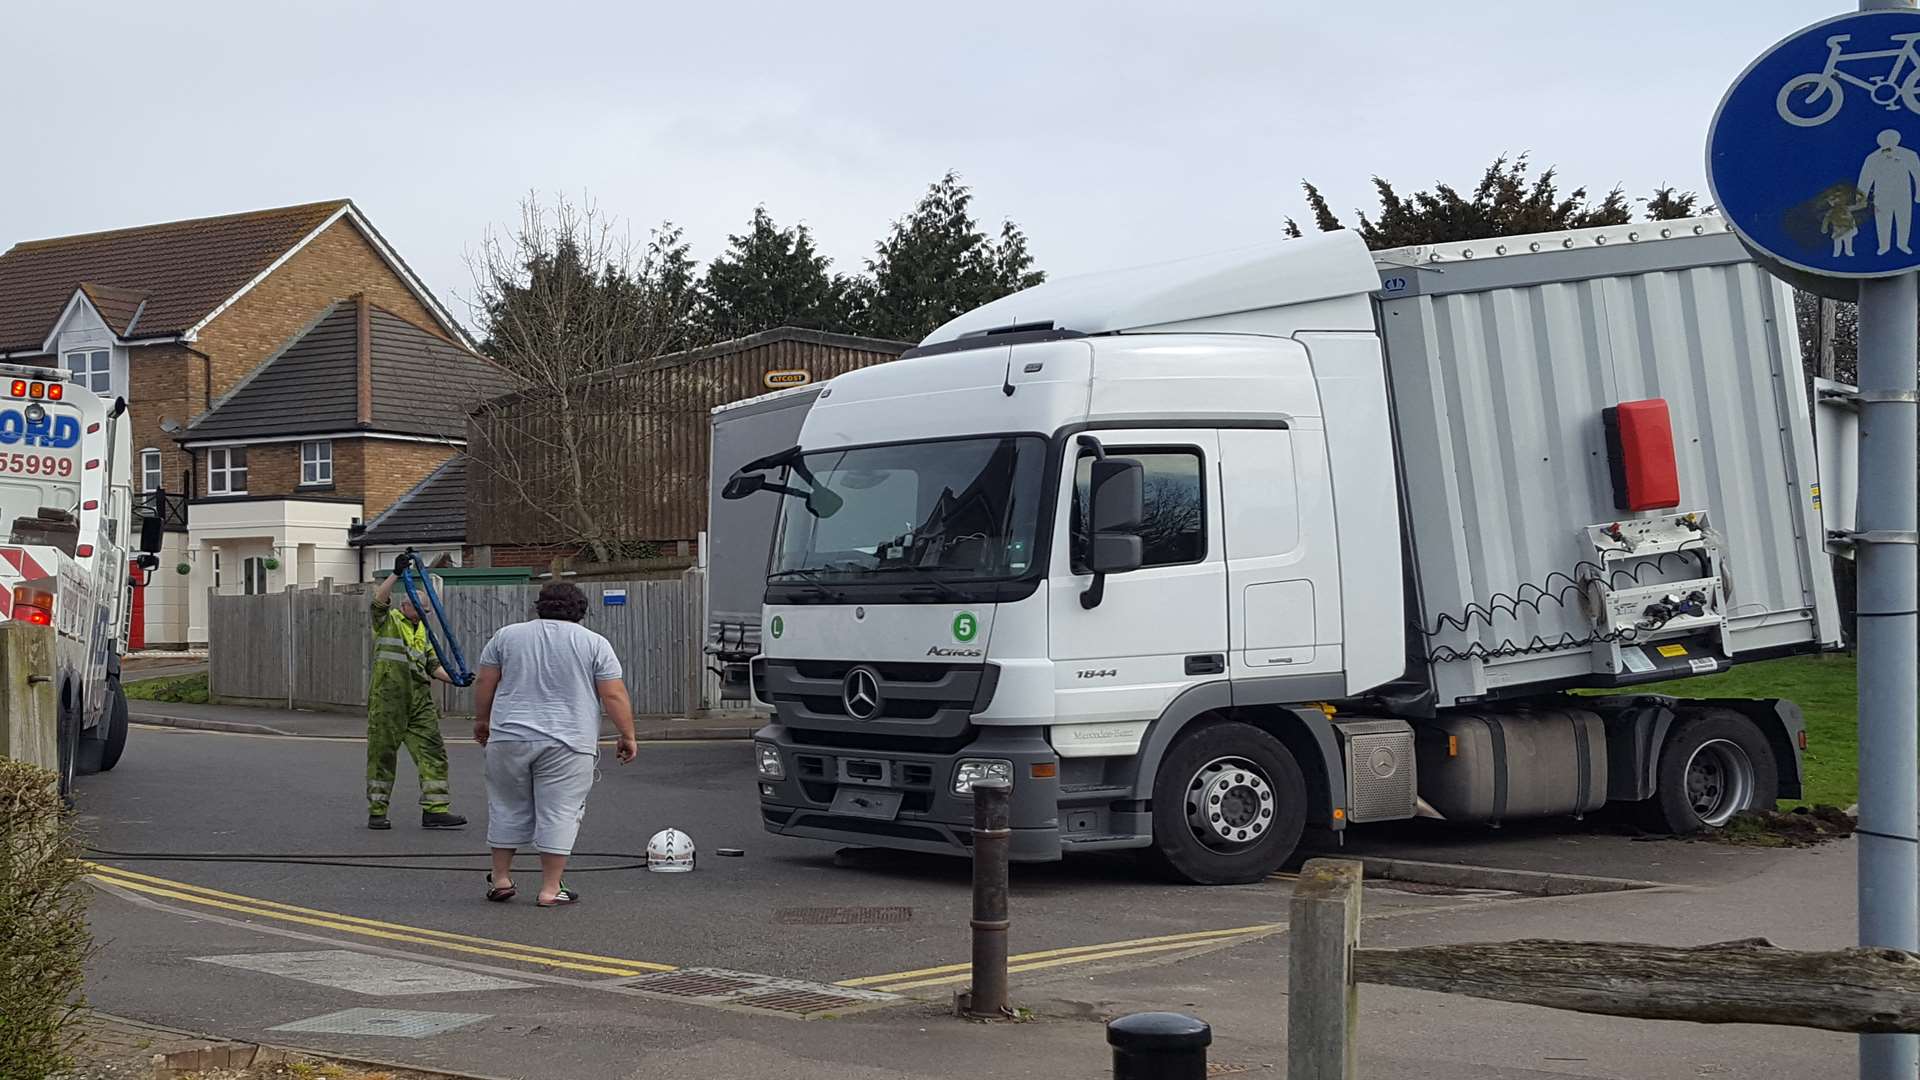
(952, 510)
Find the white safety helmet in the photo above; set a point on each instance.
(670, 852)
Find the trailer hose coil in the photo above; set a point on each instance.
(1534, 597)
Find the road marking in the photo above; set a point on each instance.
(374, 928)
(1078, 954)
(365, 973)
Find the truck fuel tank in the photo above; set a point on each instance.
(1493, 766)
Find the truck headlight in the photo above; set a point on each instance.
(769, 758)
(973, 770)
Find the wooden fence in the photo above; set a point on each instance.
(312, 648)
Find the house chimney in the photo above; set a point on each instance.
(364, 354)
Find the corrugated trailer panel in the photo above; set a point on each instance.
(1500, 369)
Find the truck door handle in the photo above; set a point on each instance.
(1206, 664)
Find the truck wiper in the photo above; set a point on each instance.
(810, 578)
(939, 590)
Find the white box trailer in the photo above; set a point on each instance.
(1206, 553)
(740, 532)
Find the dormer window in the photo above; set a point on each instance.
(92, 368)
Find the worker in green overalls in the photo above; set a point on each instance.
(400, 709)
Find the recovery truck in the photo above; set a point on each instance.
(65, 496)
(1205, 554)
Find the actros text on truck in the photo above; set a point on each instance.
(1203, 555)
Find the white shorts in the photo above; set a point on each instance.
(536, 795)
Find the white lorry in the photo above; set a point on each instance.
(66, 503)
(1205, 554)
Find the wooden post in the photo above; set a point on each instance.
(29, 713)
(1323, 1002)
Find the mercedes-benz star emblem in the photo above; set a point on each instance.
(861, 693)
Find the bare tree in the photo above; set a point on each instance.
(579, 312)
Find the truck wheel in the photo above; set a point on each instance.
(67, 732)
(1714, 765)
(1229, 805)
(115, 743)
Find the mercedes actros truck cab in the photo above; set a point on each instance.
(1205, 554)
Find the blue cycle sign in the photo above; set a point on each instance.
(1814, 154)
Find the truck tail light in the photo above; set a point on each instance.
(32, 606)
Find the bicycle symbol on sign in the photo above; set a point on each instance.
(1814, 98)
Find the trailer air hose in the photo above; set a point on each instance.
(1584, 573)
(360, 860)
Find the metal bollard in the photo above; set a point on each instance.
(1159, 1046)
(991, 835)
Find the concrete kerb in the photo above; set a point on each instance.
(1524, 882)
(231, 727)
(213, 1052)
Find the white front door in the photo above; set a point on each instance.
(1159, 629)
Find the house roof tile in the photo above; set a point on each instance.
(182, 269)
(422, 384)
(435, 511)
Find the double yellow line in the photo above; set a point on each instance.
(537, 956)
(950, 974)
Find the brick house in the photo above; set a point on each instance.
(235, 341)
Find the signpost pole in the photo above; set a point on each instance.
(1887, 645)
(1889, 591)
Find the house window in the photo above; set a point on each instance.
(316, 464)
(150, 480)
(227, 470)
(92, 368)
(254, 571)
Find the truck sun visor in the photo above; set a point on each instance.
(1640, 454)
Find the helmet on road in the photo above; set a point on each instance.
(670, 852)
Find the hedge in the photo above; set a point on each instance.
(44, 943)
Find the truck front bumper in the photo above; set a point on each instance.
(927, 815)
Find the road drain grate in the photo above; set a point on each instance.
(759, 993)
(842, 916)
(693, 984)
(1221, 1068)
(802, 1002)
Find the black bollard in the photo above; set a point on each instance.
(991, 836)
(1159, 1046)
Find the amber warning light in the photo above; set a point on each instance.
(52, 391)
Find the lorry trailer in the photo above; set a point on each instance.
(1205, 554)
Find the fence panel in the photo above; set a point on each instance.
(321, 640)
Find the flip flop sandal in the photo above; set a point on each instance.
(500, 895)
(563, 898)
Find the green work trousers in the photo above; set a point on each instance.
(400, 712)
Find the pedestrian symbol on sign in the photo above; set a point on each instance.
(1811, 156)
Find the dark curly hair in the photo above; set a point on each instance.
(561, 600)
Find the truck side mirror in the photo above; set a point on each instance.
(741, 485)
(1116, 507)
(152, 535)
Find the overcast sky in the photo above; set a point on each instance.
(1114, 133)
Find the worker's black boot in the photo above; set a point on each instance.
(440, 819)
(378, 821)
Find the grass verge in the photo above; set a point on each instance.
(185, 690)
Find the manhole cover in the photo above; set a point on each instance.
(394, 1023)
(760, 993)
(842, 916)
